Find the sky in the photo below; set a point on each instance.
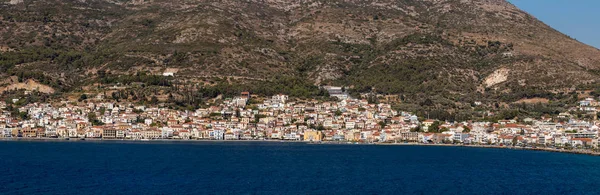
(580, 19)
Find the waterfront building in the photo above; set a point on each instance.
(312, 135)
(110, 133)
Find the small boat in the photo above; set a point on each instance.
(144, 140)
(67, 138)
(82, 139)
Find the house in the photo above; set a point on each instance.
(100, 96)
(109, 133)
(561, 140)
(366, 135)
(587, 102)
(461, 137)
(584, 142)
(245, 94)
(441, 138)
(29, 132)
(216, 134)
(135, 134)
(428, 123)
(409, 136)
(350, 124)
(506, 139)
(172, 122)
(6, 132)
(247, 136)
(62, 132)
(168, 74)
(328, 135)
(275, 135)
(185, 134)
(507, 54)
(376, 136)
(280, 98)
(229, 135)
(241, 101)
(152, 134)
(337, 92)
(50, 132)
(291, 136)
(339, 137)
(428, 137)
(313, 135)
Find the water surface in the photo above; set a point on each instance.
(287, 168)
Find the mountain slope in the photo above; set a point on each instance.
(449, 50)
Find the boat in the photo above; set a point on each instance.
(67, 138)
(144, 140)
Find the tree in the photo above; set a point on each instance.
(171, 98)
(427, 102)
(444, 129)
(466, 129)
(137, 111)
(91, 116)
(253, 107)
(94, 119)
(102, 110)
(338, 113)
(320, 127)
(101, 73)
(23, 115)
(139, 119)
(257, 117)
(82, 97)
(115, 96)
(382, 124)
(154, 100)
(435, 127)
(416, 129)
(372, 99)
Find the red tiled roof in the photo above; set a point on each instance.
(583, 139)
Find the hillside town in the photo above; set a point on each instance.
(278, 118)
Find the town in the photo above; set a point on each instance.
(278, 118)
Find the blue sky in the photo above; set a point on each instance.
(580, 19)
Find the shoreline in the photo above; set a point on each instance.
(584, 152)
(137, 140)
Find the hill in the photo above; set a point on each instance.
(453, 52)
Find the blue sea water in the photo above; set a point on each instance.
(287, 168)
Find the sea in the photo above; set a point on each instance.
(87, 167)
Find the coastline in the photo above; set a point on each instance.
(584, 152)
(137, 141)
